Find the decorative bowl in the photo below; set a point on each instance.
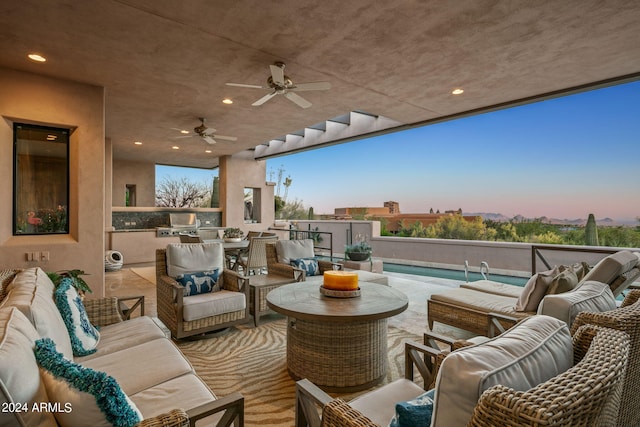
(233, 239)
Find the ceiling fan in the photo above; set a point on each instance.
(280, 84)
(207, 134)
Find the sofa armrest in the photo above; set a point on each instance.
(103, 311)
(232, 406)
(309, 397)
(426, 359)
(631, 297)
(127, 310)
(338, 413)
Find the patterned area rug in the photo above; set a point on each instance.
(252, 361)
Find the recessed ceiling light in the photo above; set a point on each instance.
(183, 131)
(227, 101)
(175, 147)
(137, 143)
(36, 57)
(457, 91)
(51, 137)
(207, 151)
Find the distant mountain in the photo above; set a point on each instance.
(575, 222)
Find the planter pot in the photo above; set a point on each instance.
(233, 239)
(358, 256)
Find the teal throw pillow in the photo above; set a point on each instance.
(414, 413)
(83, 335)
(201, 282)
(309, 265)
(85, 397)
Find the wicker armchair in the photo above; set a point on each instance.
(171, 299)
(586, 394)
(627, 319)
(276, 267)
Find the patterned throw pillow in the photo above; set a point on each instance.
(309, 265)
(414, 413)
(201, 282)
(84, 336)
(86, 397)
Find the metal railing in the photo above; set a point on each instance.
(536, 254)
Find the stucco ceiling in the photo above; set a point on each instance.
(164, 63)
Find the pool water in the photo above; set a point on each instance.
(444, 273)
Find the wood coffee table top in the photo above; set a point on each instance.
(304, 301)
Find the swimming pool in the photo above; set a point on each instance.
(444, 273)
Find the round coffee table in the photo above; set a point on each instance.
(339, 344)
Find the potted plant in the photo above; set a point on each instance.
(360, 251)
(233, 234)
(78, 282)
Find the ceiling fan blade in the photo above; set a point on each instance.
(277, 74)
(209, 131)
(225, 138)
(181, 137)
(264, 99)
(245, 85)
(209, 140)
(297, 99)
(311, 86)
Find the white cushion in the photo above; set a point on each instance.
(20, 380)
(612, 266)
(294, 249)
(85, 397)
(535, 290)
(36, 303)
(211, 304)
(83, 335)
(379, 405)
(590, 296)
(535, 350)
(194, 257)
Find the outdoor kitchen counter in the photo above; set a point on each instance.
(137, 245)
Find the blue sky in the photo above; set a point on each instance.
(562, 158)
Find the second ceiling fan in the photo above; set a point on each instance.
(280, 84)
(207, 134)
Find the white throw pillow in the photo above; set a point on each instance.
(83, 335)
(85, 397)
(535, 290)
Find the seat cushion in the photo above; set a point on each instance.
(186, 391)
(20, 380)
(288, 250)
(194, 257)
(122, 335)
(591, 296)
(379, 405)
(535, 350)
(205, 305)
(491, 287)
(480, 301)
(131, 366)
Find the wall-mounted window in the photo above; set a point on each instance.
(251, 205)
(40, 179)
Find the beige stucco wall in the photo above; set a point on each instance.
(35, 99)
(140, 174)
(238, 172)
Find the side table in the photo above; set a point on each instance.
(260, 285)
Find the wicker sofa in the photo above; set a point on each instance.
(148, 367)
(535, 374)
(472, 306)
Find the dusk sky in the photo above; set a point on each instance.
(561, 158)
